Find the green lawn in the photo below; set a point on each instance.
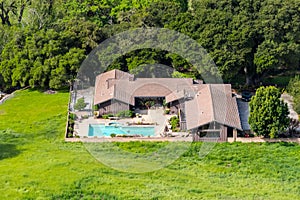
(36, 163)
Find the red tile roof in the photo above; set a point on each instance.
(212, 102)
(208, 102)
(124, 87)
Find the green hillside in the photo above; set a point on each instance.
(36, 163)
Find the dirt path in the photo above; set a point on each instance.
(6, 97)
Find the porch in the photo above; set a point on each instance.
(214, 132)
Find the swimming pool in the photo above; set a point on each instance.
(101, 130)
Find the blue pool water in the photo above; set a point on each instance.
(101, 130)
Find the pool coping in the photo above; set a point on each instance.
(81, 127)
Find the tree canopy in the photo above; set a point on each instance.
(42, 43)
(268, 113)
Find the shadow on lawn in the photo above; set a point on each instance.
(8, 151)
(65, 89)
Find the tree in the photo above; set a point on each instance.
(250, 39)
(44, 41)
(80, 104)
(5, 9)
(268, 113)
(11, 9)
(149, 104)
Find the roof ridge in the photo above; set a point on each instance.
(212, 103)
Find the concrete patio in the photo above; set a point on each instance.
(154, 117)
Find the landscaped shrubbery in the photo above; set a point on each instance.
(113, 135)
(167, 111)
(121, 114)
(125, 114)
(71, 122)
(95, 108)
(107, 116)
(174, 121)
(80, 104)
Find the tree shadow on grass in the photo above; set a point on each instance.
(8, 151)
(65, 89)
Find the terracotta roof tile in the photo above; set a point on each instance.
(123, 86)
(212, 102)
(207, 102)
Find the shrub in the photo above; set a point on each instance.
(125, 113)
(174, 121)
(96, 113)
(72, 116)
(294, 86)
(80, 104)
(149, 104)
(113, 135)
(95, 108)
(70, 135)
(105, 116)
(71, 121)
(165, 104)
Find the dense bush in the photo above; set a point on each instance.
(125, 114)
(106, 116)
(72, 116)
(80, 104)
(71, 122)
(174, 121)
(268, 113)
(113, 135)
(95, 107)
(167, 111)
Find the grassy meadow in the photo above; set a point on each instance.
(36, 163)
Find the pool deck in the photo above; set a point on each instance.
(155, 116)
(81, 128)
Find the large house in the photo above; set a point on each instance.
(204, 109)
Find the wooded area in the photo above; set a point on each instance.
(43, 42)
